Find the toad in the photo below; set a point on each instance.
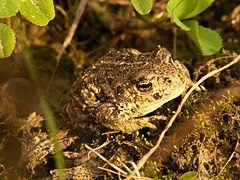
(123, 87)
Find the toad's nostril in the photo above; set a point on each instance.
(157, 96)
(167, 80)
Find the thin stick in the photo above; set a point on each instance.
(124, 165)
(230, 158)
(144, 159)
(136, 168)
(174, 41)
(104, 159)
(101, 146)
(111, 171)
(68, 39)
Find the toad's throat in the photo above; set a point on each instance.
(150, 107)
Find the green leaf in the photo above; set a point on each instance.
(200, 7)
(207, 40)
(177, 9)
(190, 175)
(9, 8)
(184, 9)
(179, 23)
(142, 6)
(7, 41)
(39, 12)
(180, 8)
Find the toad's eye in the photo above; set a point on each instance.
(144, 86)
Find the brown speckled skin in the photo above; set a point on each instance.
(108, 92)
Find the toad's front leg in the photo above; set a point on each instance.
(121, 120)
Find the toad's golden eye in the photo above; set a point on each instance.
(144, 86)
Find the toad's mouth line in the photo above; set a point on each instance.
(145, 110)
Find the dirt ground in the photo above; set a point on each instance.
(203, 139)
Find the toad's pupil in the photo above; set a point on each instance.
(144, 86)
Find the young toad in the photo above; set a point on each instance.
(123, 86)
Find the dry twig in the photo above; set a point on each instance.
(104, 159)
(230, 158)
(119, 171)
(101, 146)
(68, 39)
